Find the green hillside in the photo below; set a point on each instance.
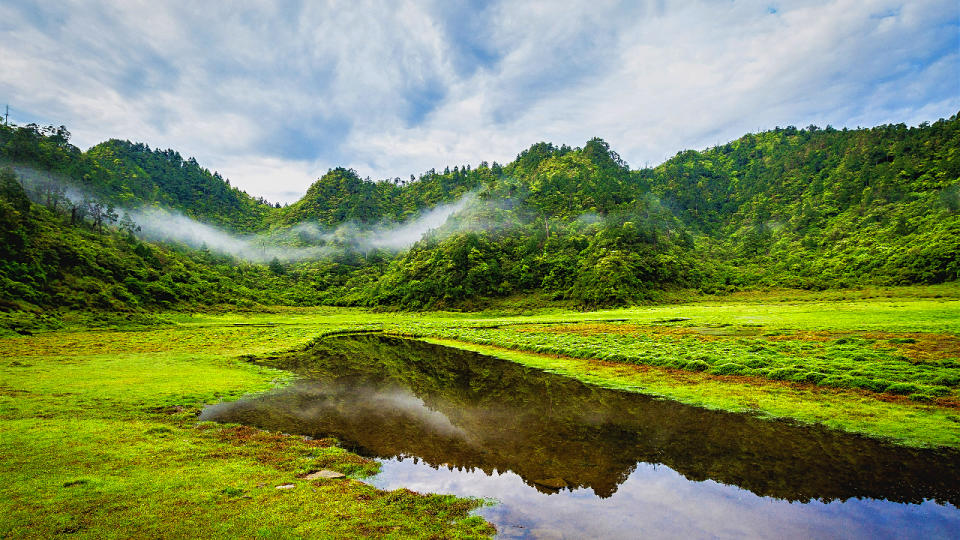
(46, 262)
(128, 175)
(826, 208)
(134, 174)
(342, 196)
(806, 208)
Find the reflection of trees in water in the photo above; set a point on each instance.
(388, 397)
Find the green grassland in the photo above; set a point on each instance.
(100, 435)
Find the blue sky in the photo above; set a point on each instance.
(272, 94)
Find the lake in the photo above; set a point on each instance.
(568, 460)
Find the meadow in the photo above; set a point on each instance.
(99, 437)
(99, 419)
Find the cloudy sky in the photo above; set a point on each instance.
(273, 94)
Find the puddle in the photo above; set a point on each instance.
(568, 460)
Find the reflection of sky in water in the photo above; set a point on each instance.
(657, 502)
(719, 474)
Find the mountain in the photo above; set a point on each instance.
(824, 207)
(132, 174)
(341, 196)
(810, 208)
(128, 175)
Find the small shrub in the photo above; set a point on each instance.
(79, 482)
(920, 397)
(834, 381)
(697, 365)
(730, 368)
(902, 388)
(866, 383)
(938, 390)
(616, 357)
(947, 380)
(755, 363)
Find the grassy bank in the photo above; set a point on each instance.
(898, 420)
(884, 367)
(98, 436)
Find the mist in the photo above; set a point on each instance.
(387, 236)
(286, 245)
(160, 224)
(304, 241)
(42, 187)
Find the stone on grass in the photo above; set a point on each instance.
(323, 473)
(286, 486)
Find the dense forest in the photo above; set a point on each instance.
(808, 208)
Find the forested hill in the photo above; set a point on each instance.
(805, 175)
(129, 175)
(342, 196)
(822, 207)
(134, 174)
(810, 208)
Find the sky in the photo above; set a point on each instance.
(274, 94)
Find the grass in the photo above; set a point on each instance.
(871, 362)
(881, 365)
(98, 429)
(898, 420)
(98, 436)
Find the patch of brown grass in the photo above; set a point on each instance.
(695, 377)
(926, 346)
(702, 333)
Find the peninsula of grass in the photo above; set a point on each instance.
(886, 367)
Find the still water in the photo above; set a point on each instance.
(568, 460)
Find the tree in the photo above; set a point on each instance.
(127, 224)
(12, 191)
(100, 213)
(277, 267)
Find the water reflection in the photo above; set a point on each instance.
(657, 502)
(474, 420)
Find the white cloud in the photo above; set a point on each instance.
(273, 99)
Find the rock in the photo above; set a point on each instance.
(552, 483)
(286, 486)
(323, 473)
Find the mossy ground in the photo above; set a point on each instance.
(99, 436)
